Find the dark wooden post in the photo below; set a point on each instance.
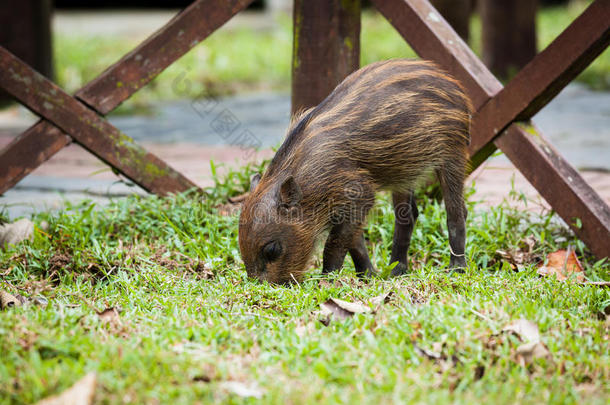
(509, 34)
(325, 49)
(25, 30)
(457, 13)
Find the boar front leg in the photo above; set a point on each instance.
(335, 248)
(342, 238)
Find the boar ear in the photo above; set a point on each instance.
(254, 181)
(290, 192)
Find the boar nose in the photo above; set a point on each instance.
(255, 271)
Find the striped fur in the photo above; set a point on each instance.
(386, 126)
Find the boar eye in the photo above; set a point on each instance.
(271, 251)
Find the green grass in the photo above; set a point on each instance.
(243, 59)
(183, 333)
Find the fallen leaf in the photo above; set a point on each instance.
(81, 393)
(381, 299)
(242, 390)
(562, 264)
(40, 300)
(528, 244)
(528, 352)
(8, 300)
(18, 231)
(526, 330)
(521, 256)
(587, 388)
(343, 309)
(532, 348)
(203, 271)
(193, 350)
(305, 330)
(597, 283)
(110, 315)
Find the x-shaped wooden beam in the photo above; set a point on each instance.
(497, 107)
(88, 128)
(102, 95)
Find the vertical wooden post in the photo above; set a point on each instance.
(509, 34)
(325, 49)
(25, 30)
(457, 13)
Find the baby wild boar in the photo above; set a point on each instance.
(385, 127)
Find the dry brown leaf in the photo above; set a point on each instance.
(343, 309)
(305, 330)
(526, 330)
(40, 300)
(532, 348)
(528, 352)
(340, 309)
(8, 300)
(242, 389)
(563, 264)
(193, 350)
(598, 283)
(381, 299)
(521, 256)
(81, 393)
(528, 244)
(18, 231)
(110, 315)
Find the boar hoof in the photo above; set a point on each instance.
(400, 270)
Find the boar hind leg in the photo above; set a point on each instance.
(360, 256)
(405, 215)
(452, 184)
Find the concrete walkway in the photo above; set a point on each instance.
(183, 133)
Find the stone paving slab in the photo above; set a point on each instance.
(577, 121)
(74, 174)
(184, 134)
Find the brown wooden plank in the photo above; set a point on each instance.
(86, 127)
(28, 151)
(144, 63)
(326, 48)
(183, 28)
(545, 76)
(432, 38)
(560, 185)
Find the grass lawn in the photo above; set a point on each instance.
(191, 327)
(243, 59)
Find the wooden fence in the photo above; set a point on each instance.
(326, 49)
